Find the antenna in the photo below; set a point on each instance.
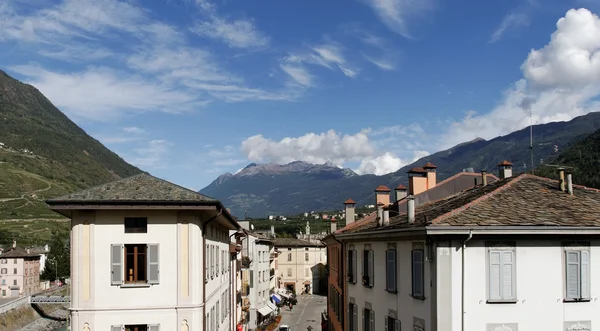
(531, 138)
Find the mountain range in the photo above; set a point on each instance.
(44, 154)
(298, 187)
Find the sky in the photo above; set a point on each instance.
(190, 89)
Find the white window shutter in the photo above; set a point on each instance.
(154, 327)
(391, 270)
(585, 274)
(116, 264)
(364, 320)
(153, 264)
(495, 275)
(397, 325)
(573, 274)
(417, 273)
(371, 267)
(355, 317)
(354, 266)
(386, 323)
(116, 328)
(508, 268)
(372, 320)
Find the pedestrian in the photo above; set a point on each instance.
(290, 306)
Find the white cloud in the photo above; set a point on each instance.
(298, 74)
(152, 156)
(134, 130)
(237, 34)
(511, 21)
(380, 52)
(395, 14)
(561, 81)
(386, 163)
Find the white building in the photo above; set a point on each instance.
(521, 253)
(300, 265)
(148, 255)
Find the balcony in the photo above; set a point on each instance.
(246, 262)
(245, 304)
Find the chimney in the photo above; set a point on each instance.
(386, 217)
(380, 214)
(505, 169)
(431, 175)
(382, 195)
(561, 179)
(417, 181)
(273, 231)
(569, 183)
(349, 210)
(333, 225)
(401, 192)
(27, 250)
(410, 209)
(483, 178)
(14, 244)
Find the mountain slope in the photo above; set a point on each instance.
(583, 156)
(44, 154)
(266, 192)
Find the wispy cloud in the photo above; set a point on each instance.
(395, 14)
(298, 74)
(153, 156)
(379, 52)
(238, 33)
(510, 22)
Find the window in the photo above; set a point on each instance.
(26, 272)
(3, 261)
(3, 271)
(368, 320)
(306, 257)
(306, 272)
(14, 282)
(218, 307)
(306, 249)
(289, 272)
(577, 273)
(14, 261)
(391, 271)
(15, 271)
(134, 263)
(136, 225)
(217, 252)
(418, 271)
(3, 293)
(4, 282)
(351, 266)
(501, 270)
(392, 324)
(289, 257)
(353, 317)
(368, 267)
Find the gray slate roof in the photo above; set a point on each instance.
(293, 242)
(141, 188)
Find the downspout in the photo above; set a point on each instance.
(462, 289)
(343, 294)
(204, 264)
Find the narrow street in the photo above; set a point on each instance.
(306, 312)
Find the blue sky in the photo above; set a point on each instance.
(190, 89)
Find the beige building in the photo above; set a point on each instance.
(19, 272)
(300, 265)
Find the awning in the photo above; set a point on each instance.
(272, 306)
(265, 310)
(284, 295)
(276, 298)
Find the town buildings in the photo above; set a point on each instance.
(301, 265)
(515, 254)
(148, 255)
(19, 272)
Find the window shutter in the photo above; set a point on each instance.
(508, 260)
(396, 325)
(417, 273)
(116, 327)
(391, 270)
(372, 320)
(585, 274)
(154, 327)
(573, 274)
(364, 320)
(495, 275)
(251, 278)
(354, 267)
(116, 264)
(386, 323)
(153, 267)
(371, 267)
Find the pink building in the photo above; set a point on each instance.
(19, 272)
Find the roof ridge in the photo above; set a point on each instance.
(481, 198)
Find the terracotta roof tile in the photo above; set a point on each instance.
(349, 202)
(401, 187)
(382, 188)
(293, 242)
(417, 170)
(429, 165)
(505, 163)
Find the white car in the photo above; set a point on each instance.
(285, 328)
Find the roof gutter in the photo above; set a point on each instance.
(210, 220)
(498, 230)
(383, 233)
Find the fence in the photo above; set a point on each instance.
(14, 304)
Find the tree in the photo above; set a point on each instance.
(59, 258)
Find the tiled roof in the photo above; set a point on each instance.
(358, 223)
(417, 170)
(525, 200)
(349, 202)
(142, 188)
(429, 165)
(17, 252)
(401, 187)
(505, 163)
(382, 188)
(293, 242)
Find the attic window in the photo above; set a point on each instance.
(136, 225)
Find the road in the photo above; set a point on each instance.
(306, 312)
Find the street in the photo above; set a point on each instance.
(306, 312)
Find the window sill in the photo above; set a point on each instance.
(392, 291)
(577, 300)
(418, 297)
(502, 301)
(135, 285)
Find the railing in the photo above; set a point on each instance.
(50, 299)
(14, 304)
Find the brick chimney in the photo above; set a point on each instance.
(349, 210)
(505, 169)
(401, 192)
(382, 195)
(417, 181)
(431, 174)
(333, 225)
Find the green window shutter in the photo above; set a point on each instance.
(354, 266)
(371, 267)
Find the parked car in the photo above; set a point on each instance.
(285, 328)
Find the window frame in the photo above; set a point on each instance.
(352, 317)
(415, 294)
(368, 324)
(352, 266)
(389, 278)
(501, 248)
(584, 276)
(134, 226)
(118, 264)
(394, 325)
(369, 264)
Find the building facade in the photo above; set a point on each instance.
(19, 272)
(148, 255)
(516, 254)
(301, 265)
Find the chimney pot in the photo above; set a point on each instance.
(333, 225)
(386, 217)
(14, 244)
(483, 177)
(570, 183)
(410, 209)
(505, 169)
(380, 214)
(561, 179)
(349, 211)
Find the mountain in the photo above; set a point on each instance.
(299, 187)
(582, 157)
(44, 154)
